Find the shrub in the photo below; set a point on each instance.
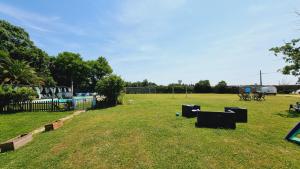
(121, 98)
(110, 86)
(20, 94)
(6, 94)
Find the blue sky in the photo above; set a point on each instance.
(166, 40)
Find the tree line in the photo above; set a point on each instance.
(22, 63)
(202, 86)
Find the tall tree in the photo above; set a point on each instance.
(97, 69)
(69, 68)
(16, 41)
(221, 87)
(145, 83)
(203, 86)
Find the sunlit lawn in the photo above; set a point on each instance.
(145, 133)
(15, 124)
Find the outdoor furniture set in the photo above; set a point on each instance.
(213, 119)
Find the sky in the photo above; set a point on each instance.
(166, 40)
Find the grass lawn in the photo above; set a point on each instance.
(145, 133)
(15, 124)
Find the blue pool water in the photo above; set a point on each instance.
(79, 98)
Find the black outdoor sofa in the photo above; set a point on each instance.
(190, 111)
(210, 119)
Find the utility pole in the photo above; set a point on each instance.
(260, 78)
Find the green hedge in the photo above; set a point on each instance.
(18, 94)
(285, 89)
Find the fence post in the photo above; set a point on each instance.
(30, 105)
(52, 106)
(84, 101)
(1, 108)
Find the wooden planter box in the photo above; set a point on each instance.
(15, 143)
(190, 111)
(216, 120)
(53, 126)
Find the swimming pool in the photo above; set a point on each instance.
(78, 98)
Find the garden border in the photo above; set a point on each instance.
(21, 140)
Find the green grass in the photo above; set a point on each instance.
(145, 133)
(15, 124)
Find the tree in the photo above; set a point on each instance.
(97, 69)
(110, 86)
(16, 41)
(13, 37)
(221, 87)
(203, 86)
(68, 68)
(17, 72)
(291, 55)
(145, 83)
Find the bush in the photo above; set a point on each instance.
(110, 86)
(286, 89)
(9, 94)
(6, 93)
(22, 94)
(121, 98)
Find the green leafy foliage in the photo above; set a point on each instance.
(144, 83)
(221, 87)
(110, 86)
(291, 55)
(121, 98)
(24, 63)
(24, 94)
(17, 72)
(68, 67)
(97, 69)
(13, 37)
(6, 94)
(16, 42)
(9, 94)
(203, 86)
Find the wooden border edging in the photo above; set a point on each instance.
(16, 142)
(21, 140)
(53, 126)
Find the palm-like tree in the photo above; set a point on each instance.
(17, 72)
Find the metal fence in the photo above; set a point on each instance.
(48, 106)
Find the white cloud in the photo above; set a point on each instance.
(41, 23)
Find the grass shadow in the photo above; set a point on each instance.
(12, 112)
(289, 114)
